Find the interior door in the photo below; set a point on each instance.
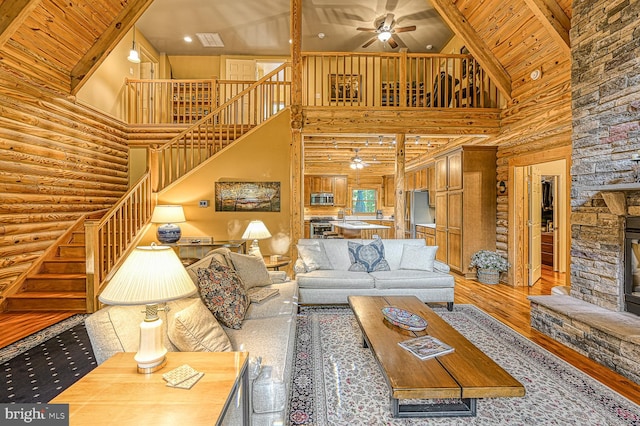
(535, 225)
(243, 70)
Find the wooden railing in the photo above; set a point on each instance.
(396, 80)
(109, 239)
(246, 110)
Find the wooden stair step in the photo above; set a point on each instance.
(71, 250)
(55, 282)
(47, 301)
(64, 265)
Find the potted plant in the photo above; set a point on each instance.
(489, 265)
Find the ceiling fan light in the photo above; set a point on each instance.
(353, 165)
(384, 36)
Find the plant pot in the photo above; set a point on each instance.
(488, 276)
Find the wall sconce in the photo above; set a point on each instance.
(502, 187)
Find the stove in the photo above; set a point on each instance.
(319, 225)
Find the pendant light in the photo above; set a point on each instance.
(134, 56)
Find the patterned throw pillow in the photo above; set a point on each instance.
(367, 257)
(223, 293)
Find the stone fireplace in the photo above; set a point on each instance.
(605, 193)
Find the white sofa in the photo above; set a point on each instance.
(417, 274)
(267, 332)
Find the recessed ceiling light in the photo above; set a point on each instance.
(187, 39)
(321, 36)
(429, 46)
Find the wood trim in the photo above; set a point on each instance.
(478, 48)
(553, 18)
(296, 150)
(12, 15)
(107, 41)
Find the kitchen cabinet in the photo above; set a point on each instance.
(465, 203)
(431, 182)
(427, 233)
(391, 232)
(340, 193)
(409, 181)
(307, 229)
(389, 184)
(307, 191)
(421, 178)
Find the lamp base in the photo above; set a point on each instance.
(254, 250)
(168, 233)
(149, 370)
(151, 355)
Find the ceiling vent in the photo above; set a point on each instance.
(210, 39)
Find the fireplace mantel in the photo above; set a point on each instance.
(614, 196)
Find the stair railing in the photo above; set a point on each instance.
(233, 118)
(109, 239)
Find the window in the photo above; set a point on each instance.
(363, 200)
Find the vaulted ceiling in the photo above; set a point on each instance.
(60, 43)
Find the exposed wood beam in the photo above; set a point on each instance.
(91, 60)
(478, 48)
(553, 18)
(12, 15)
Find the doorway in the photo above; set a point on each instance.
(538, 217)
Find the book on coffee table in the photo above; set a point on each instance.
(425, 347)
(259, 294)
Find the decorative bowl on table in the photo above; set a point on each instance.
(404, 319)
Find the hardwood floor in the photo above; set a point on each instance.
(507, 304)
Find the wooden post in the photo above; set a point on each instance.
(296, 161)
(92, 265)
(404, 88)
(398, 210)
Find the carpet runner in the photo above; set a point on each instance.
(337, 382)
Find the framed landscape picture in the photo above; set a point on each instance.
(247, 196)
(344, 87)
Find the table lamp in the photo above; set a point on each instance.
(168, 216)
(149, 275)
(256, 230)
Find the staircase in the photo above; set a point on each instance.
(58, 284)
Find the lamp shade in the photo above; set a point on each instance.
(256, 231)
(151, 274)
(168, 214)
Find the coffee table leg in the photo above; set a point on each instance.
(465, 408)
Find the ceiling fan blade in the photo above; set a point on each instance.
(367, 44)
(371, 30)
(388, 21)
(391, 4)
(392, 43)
(404, 29)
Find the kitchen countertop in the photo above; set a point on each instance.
(357, 225)
(357, 218)
(428, 225)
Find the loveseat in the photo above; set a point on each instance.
(330, 270)
(267, 331)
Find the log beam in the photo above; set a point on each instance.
(12, 14)
(553, 18)
(478, 48)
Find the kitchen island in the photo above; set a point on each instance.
(359, 229)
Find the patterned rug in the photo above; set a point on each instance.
(337, 382)
(39, 367)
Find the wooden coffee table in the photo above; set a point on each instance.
(464, 375)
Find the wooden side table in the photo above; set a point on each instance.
(277, 264)
(115, 393)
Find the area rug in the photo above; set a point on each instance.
(338, 382)
(39, 367)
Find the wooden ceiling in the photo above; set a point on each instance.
(60, 43)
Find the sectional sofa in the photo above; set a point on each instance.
(330, 270)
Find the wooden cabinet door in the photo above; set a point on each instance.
(430, 240)
(431, 185)
(410, 181)
(441, 174)
(326, 183)
(340, 191)
(421, 179)
(316, 183)
(389, 191)
(307, 191)
(454, 173)
(307, 229)
(454, 230)
(441, 226)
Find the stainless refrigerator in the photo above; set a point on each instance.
(417, 210)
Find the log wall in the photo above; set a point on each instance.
(58, 160)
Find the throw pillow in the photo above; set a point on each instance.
(220, 254)
(251, 269)
(421, 258)
(223, 292)
(367, 257)
(314, 257)
(195, 329)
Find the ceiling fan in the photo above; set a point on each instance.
(385, 30)
(356, 161)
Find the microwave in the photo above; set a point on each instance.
(322, 199)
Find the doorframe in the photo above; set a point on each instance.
(517, 274)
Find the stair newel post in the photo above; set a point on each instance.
(154, 168)
(93, 272)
